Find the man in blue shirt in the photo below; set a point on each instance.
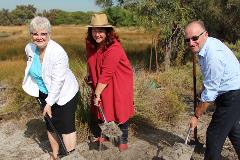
(221, 72)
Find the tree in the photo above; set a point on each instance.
(165, 19)
(57, 17)
(5, 17)
(22, 14)
(104, 3)
(219, 17)
(231, 15)
(119, 16)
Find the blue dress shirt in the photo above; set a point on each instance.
(220, 69)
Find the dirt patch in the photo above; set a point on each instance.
(178, 151)
(26, 139)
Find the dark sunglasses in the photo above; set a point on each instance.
(194, 38)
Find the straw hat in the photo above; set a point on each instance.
(99, 20)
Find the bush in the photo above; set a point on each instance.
(163, 96)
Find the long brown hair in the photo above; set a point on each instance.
(111, 35)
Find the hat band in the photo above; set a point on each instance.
(100, 24)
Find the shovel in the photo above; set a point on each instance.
(109, 129)
(48, 119)
(179, 151)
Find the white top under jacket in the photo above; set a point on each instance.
(58, 78)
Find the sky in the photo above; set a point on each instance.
(66, 5)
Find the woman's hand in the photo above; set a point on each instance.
(98, 91)
(96, 99)
(47, 110)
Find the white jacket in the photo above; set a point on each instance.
(58, 78)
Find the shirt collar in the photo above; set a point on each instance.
(204, 48)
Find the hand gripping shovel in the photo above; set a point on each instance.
(48, 119)
(109, 129)
(179, 151)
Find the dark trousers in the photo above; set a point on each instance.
(124, 128)
(225, 123)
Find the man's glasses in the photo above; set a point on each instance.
(194, 38)
(39, 34)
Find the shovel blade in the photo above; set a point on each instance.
(110, 129)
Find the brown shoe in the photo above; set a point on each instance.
(122, 147)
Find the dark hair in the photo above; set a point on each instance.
(111, 35)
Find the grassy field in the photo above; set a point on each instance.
(158, 97)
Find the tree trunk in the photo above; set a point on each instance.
(156, 54)
(167, 58)
(150, 59)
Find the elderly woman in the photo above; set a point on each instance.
(110, 75)
(48, 77)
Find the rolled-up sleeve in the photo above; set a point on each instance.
(110, 63)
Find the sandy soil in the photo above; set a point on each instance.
(25, 138)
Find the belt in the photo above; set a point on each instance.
(228, 94)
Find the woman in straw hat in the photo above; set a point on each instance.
(110, 76)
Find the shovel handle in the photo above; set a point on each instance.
(101, 111)
(188, 133)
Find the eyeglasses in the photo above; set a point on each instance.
(194, 38)
(39, 34)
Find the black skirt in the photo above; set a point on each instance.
(63, 117)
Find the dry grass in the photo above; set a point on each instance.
(162, 97)
(11, 75)
(134, 35)
(11, 71)
(156, 100)
(14, 29)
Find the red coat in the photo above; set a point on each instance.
(113, 68)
